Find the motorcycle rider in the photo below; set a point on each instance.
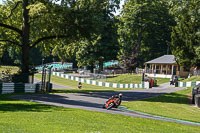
(79, 85)
(118, 100)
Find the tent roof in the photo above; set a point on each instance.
(165, 59)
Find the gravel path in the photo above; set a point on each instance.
(94, 101)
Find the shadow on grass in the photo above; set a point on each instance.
(20, 107)
(14, 105)
(111, 76)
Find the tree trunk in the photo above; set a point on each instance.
(25, 42)
(92, 68)
(100, 66)
(25, 59)
(75, 64)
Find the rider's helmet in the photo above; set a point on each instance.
(120, 94)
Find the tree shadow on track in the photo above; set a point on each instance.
(57, 100)
(144, 96)
(127, 96)
(90, 100)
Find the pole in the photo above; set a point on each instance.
(143, 76)
(42, 78)
(49, 78)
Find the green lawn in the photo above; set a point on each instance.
(29, 117)
(125, 79)
(162, 80)
(193, 78)
(87, 87)
(174, 105)
(74, 84)
(131, 78)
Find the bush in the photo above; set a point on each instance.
(21, 78)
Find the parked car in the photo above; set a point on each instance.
(195, 91)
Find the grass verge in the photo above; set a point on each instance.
(162, 80)
(125, 79)
(74, 85)
(132, 78)
(174, 105)
(193, 78)
(29, 117)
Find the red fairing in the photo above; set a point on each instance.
(110, 101)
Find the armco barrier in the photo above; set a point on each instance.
(19, 88)
(188, 84)
(98, 83)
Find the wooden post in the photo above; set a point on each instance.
(145, 68)
(197, 100)
(161, 69)
(172, 69)
(166, 69)
(150, 68)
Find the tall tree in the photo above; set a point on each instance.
(186, 34)
(95, 50)
(144, 31)
(66, 53)
(101, 46)
(25, 24)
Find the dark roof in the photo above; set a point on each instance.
(165, 59)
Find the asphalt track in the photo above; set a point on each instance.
(94, 101)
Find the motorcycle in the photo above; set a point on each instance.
(112, 103)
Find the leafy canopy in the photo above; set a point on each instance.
(143, 31)
(186, 34)
(25, 24)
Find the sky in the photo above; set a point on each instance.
(122, 2)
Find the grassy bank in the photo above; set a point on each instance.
(193, 78)
(29, 117)
(174, 105)
(73, 84)
(132, 78)
(125, 79)
(129, 78)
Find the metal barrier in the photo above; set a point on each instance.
(19, 88)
